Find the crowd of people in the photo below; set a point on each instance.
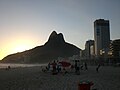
(56, 67)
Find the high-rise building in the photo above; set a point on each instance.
(88, 45)
(92, 51)
(101, 36)
(115, 50)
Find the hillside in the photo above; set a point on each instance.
(55, 47)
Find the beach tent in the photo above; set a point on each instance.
(65, 63)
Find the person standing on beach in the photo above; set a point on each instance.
(97, 69)
(54, 67)
(48, 66)
(86, 68)
(58, 67)
(75, 66)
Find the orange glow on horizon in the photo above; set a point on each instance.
(16, 45)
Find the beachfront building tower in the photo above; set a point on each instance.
(101, 36)
(88, 50)
(115, 50)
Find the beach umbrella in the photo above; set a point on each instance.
(65, 64)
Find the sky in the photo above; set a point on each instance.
(25, 24)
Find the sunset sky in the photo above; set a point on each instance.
(25, 24)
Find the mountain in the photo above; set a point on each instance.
(55, 47)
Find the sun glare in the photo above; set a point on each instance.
(20, 48)
(15, 49)
(22, 45)
(18, 43)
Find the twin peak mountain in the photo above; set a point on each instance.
(55, 47)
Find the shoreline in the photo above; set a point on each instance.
(18, 65)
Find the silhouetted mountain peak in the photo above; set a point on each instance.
(55, 38)
(53, 34)
(61, 35)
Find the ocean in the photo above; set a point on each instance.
(19, 65)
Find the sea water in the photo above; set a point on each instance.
(5, 65)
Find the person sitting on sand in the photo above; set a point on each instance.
(64, 71)
(8, 68)
(44, 69)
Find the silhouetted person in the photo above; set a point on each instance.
(64, 71)
(78, 70)
(72, 66)
(97, 69)
(58, 67)
(8, 68)
(81, 67)
(48, 66)
(86, 68)
(54, 67)
(75, 66)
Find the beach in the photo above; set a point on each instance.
(33, 78)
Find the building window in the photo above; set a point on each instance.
(98, 32)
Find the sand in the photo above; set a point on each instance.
(32, 78)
